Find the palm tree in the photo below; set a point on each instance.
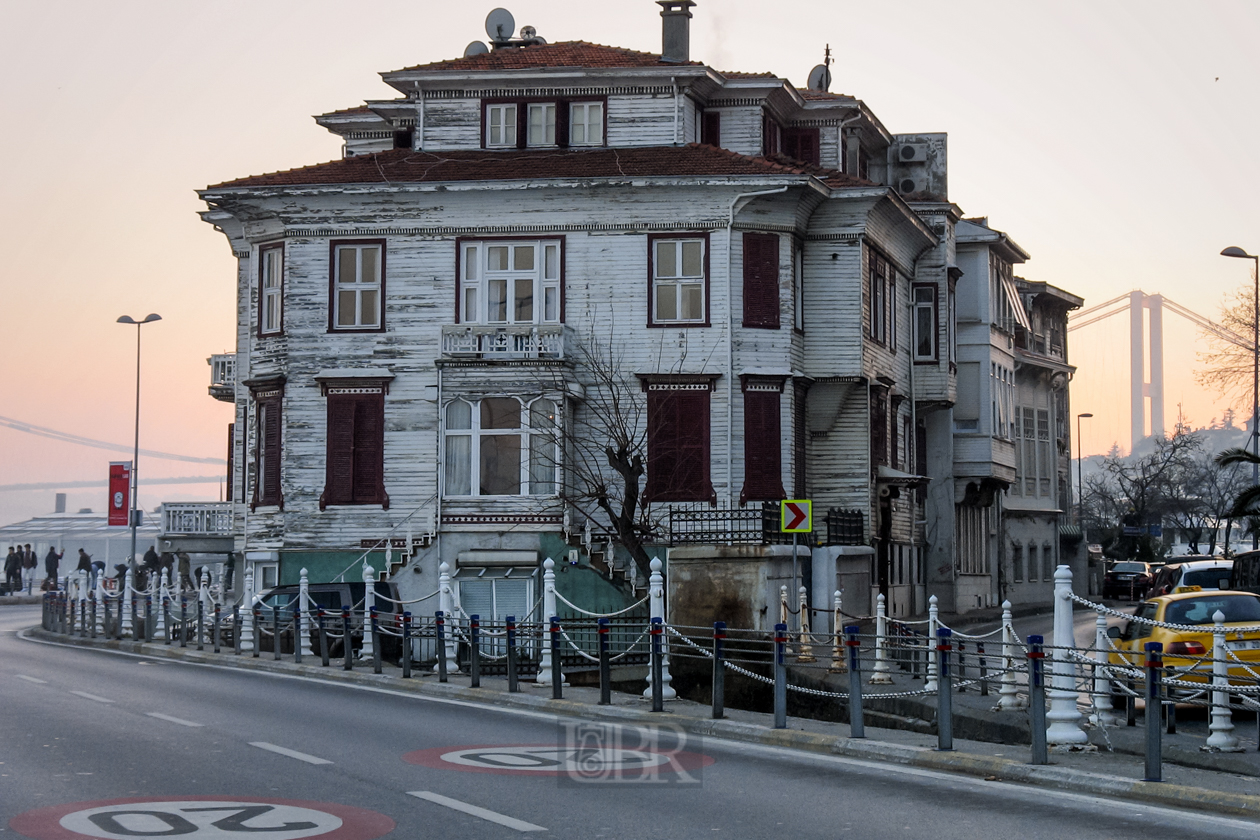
(1248, 502)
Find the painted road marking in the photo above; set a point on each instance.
(475, 810)
(31, 679)
(201, 818)
(87, 696)
(589, 763)
(300, 756)
(170, 719)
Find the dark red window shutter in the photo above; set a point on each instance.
(231, 460)
(879, 428)
(802, 144)
(761, 280)
(678, 446)
(369, 450)
(711, 128)
(799, 422)
(562, 124)
(339, 464)
(270, 479)
(522, 125)
(763, 463)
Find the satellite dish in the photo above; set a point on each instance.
(820, 78)
(500, 25)
(475, 48)
(528, 32)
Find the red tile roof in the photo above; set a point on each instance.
(358, 109)
(737, 75)
(561, 54)
(821, 95)
(406, 166)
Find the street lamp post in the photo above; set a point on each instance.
(1080, 481)
(135, 458)
(1233, 251)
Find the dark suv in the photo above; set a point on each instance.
(1129, 579)
(278, 603)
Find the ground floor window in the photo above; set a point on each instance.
(501, 446)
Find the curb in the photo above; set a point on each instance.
(988, 767)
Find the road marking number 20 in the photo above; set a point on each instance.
(202, 819)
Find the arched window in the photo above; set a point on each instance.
(500, 446)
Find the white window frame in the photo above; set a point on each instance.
(271, 285)
(540, 124)
(673, 284)
(530, 438)
(478, 280)
(929, 306)
(266, 575)
(358, 285)
(589, 118)
(505, 128)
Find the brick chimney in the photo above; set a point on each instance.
(675, 30)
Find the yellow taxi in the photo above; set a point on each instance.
(1192, 649)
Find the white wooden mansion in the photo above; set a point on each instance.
(778, 276)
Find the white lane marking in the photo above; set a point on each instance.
(32, 679)
(95, 697)
(300, 756)
(475, 810)
(170, 719)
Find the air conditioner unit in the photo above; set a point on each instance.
(912, 153)
(906, 186)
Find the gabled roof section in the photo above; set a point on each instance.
(560, 54)
(406, 166)
(823, 96)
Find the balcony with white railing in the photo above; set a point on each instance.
(504, 341)
(223, 376)
(196, 519)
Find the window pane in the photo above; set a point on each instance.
(542, 414)
(496, 258)
(595, 124)
(542, 465)
(666, 302)
(346, 261)
(551, 303)
(693, 302)
(509, 130)
(500, 413)
(367, 308)
(692, 261)
(523, 258)
(552, 259)
(666, 259)
(577, 130)
(345, 309)
(922, 294)
(369, 268)
(458, 478)
(496, 301)
(500, 464)
(470, 305)
(459, 415)
(923, 345)
(524, 309)
(470, 263)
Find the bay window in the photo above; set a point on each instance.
(501, 446)
(503, 282)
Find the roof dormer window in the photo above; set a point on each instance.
(525, 124)
(501, 126)
(542, 124)
(586, 124)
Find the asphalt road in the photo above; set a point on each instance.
(285, 757)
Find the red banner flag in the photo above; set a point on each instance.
(119, 493)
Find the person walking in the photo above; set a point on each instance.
(30, 566)
(12, 575)
(185, 570)
(51, 562)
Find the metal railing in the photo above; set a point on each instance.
(222, 375)
(197, 518)
(758, 525)
(505, 341)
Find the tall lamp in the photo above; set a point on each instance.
(135, 458)
(1080, 482)
(1233, 251)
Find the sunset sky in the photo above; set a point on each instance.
(1116, 142)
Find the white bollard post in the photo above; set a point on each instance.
(549, 609)
(1102, 715)
(1009, 699)
(369, 603)
(301, 633)
(784, 613)
(98, 595)
(934, 624)
(838, 664)
(1064, 717)
(880, 673)
(1222, 738)
(247, 613)
(163, 592)
(203, 593)
(806, 653)
(124, 602)
(446, 603)
(656, 604)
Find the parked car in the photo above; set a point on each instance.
(1127, 579)
(1205, 573)
(278, 604)
(1245, 575)
(1183, 649)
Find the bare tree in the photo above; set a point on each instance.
(1208, 492)
(1228, 364)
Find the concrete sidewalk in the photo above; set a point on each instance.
(1100, 773)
